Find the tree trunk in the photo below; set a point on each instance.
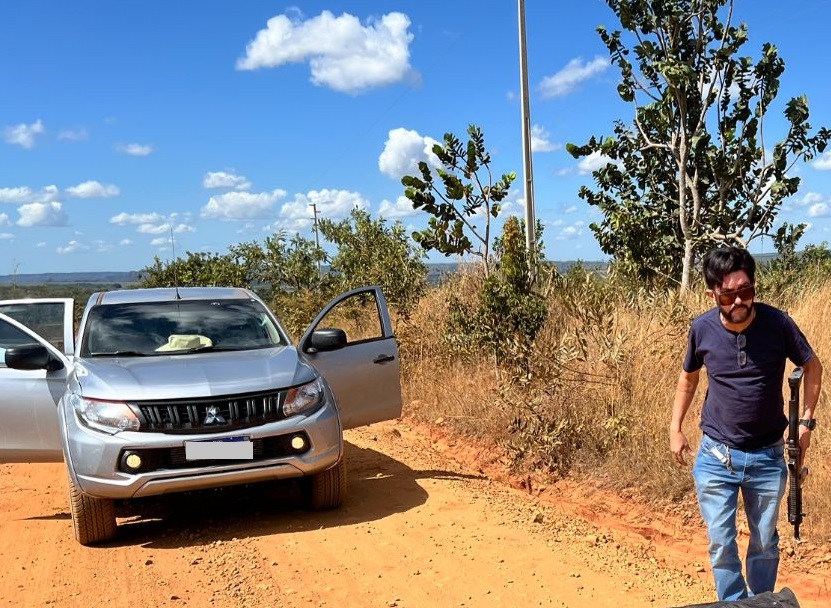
(687, 269)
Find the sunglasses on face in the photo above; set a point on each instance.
(745, 294)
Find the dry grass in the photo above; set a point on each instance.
(600, 397)
(812, 315)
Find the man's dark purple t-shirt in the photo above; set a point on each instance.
(744, 407)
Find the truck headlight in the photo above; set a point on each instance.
(304, 399)
(108, 416)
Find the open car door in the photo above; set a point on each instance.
(352, 344)
(29, 430)
(50, 318)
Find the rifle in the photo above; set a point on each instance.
(796, 473)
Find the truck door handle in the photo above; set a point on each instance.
(383, 358)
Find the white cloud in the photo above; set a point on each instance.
(24, 194)
(566, 80)
(571, 232)
(136, 149)
(823, 163)
(93, 189)
(242, 205)
(402, 207)
(402, 152)
(4, 220)
(160, 242)
(23, 134)
(73, 135)
(6, 236)
(102, 246)
(330, 204)
(125, 242)
(123, 219)
(153, 228)
(342, 54)
(248, 229)
(164, 228)
(513, 204)
(41, 214)
(540, 140)
(592, 162)
(810, 198)
(72, 247)
(154, 223)
(818, 210)
(223, 179)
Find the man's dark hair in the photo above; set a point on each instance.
(720, 262)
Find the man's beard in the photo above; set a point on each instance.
(737, 314)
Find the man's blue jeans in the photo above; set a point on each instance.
(761, 476)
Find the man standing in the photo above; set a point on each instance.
(744, 345)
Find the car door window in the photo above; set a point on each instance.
(357, 316)
(44, 318)
(11, 336)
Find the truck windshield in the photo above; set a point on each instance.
(179, 326)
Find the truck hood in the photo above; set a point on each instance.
(193, 375)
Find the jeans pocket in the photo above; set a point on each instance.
(712, 460)
(707, 443)
(775, 452)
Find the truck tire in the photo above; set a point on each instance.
(327, 489)
(93, 519)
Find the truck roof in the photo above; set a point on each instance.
(163, 294)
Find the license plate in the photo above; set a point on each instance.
(227, 448)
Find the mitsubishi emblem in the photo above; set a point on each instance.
(213, 416)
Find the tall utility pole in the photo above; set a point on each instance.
(527, 165)
(317, 239)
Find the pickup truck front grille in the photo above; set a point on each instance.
(210, 413)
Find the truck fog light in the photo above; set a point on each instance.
(131, 461)
(298, 443)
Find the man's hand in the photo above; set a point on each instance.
(680, 447)
(684, 392)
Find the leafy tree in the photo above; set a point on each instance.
(509, 314)
(294, 264)
(293, 269)
(205, 269)
(692, 170)
(466, 191)
(791, 275)
(371, 253)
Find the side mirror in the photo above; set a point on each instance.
(30, 357)
(325, 339)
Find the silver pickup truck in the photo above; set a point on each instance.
(180, 389)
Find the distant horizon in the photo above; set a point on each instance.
(97, 276)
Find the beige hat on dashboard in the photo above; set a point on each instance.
(184, 342)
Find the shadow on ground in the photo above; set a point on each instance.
(378, 486)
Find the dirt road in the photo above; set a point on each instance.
(427, 523)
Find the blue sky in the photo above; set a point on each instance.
(222, 122)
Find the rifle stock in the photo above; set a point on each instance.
(795, 471)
